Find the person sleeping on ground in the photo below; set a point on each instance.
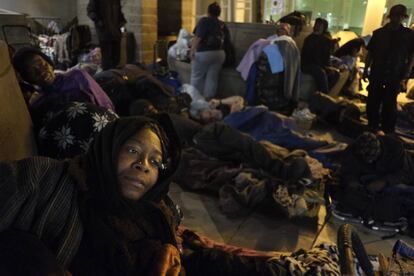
(257, 121)
(45, 90)
(218, 157)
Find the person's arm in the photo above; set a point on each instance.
(368, 62)
(194, 46)
(410, 67)
(236, 103)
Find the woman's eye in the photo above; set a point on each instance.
(132, 150)
(156, 163)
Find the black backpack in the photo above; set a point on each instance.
(215, 40)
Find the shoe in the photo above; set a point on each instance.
(304, 114)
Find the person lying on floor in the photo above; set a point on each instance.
(50, 90)
(106, 212)
(377, 162)
(211, 111)
(341, 114)
(226, 143)
(242, 172)
(348, 54)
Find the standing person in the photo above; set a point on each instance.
(316, 52)
(108, 18)
(390, 57)
(207, 52)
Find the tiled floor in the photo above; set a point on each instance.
(267, 232)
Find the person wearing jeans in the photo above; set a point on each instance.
(207, 52)
(205, 70)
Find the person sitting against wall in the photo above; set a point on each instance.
(348, 53)
(106, 212)
(49, 90)
(295, 19)
(207, 51)
(316, 52)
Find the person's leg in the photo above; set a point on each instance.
(199, 69)
(116, 53)
(106, 54)
(375, 91)
(389, 107)
(212, 78)
(319, 76)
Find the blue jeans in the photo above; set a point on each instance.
(205, 69)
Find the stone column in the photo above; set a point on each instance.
(373, 16)
(148, 29)
(188, 15)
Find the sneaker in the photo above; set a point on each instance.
(303, 114)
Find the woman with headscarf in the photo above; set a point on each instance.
(106, 212)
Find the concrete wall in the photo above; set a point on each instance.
(64, 9)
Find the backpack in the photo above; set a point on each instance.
(216, 40)
(269, 87)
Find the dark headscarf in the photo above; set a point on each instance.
(102, 159)
(20, 56)
(122, 234)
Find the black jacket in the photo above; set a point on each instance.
(395, 164)
(108, 18)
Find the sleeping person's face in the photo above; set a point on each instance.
(210, 115)
(39, 71)
(139, 162)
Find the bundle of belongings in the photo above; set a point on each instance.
(271, 68)
(246, 174)
(376, 173)
(132, 82)
(64, 46)
(181, 49)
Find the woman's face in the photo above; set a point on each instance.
(40, 72)
(139, 161)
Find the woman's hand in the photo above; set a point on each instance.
(214, 103)
(168, 262)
